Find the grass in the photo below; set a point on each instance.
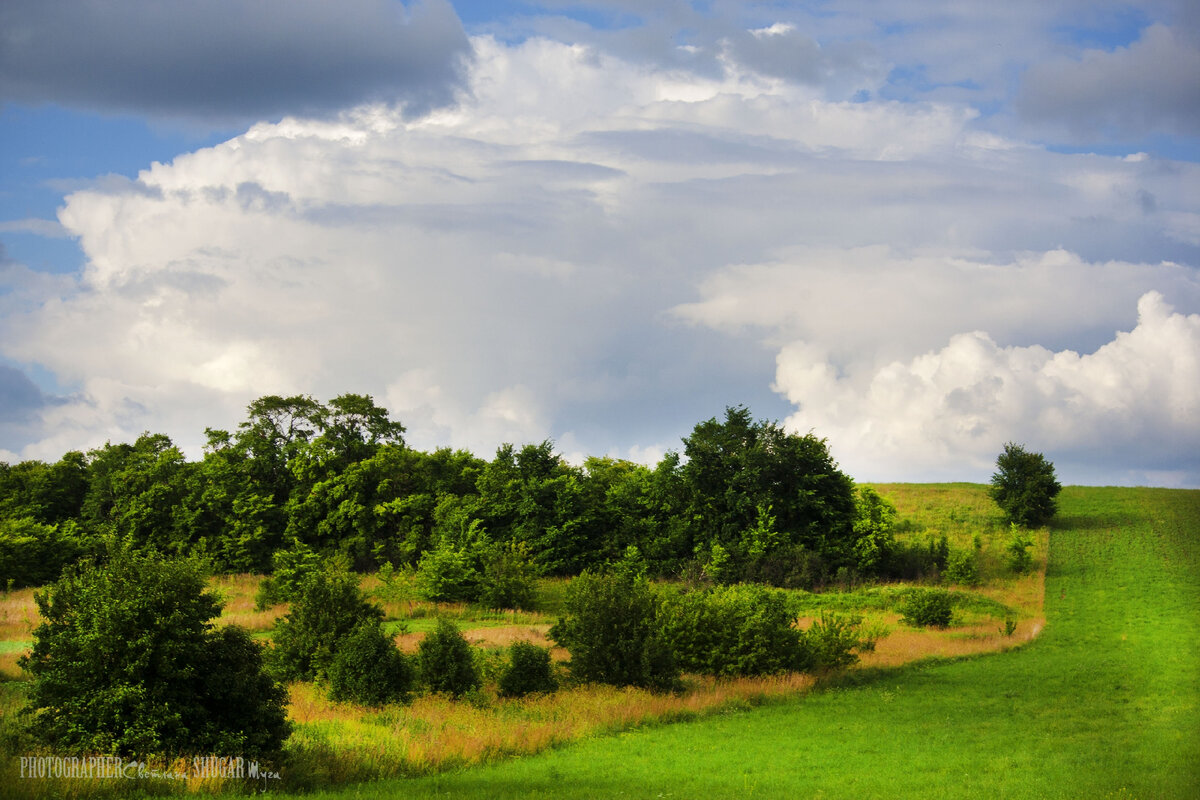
(1105, 704)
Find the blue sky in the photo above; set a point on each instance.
(919, 229)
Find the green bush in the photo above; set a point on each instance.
(927, 607)
(508, 579)
(613, 634)
(328, 606)
(834, 642)
(962, 567)
(291, 567)
(874, 520)
(1020, 560)
(447, 574)
(445, 661)
(1024, 486)
(126, 661)
(528, 671)
(744, 629)
(368, 669)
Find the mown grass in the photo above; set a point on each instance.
(1105, 704)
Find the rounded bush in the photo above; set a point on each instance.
(445, 661)
(368, 668)
(447, 574)
(613, 634)
(328, 606)
(928, 607)
(126, 662)
(528, 671)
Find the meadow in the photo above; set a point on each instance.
(1103, 703)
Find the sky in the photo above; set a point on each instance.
(919, 230)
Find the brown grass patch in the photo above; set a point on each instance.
(18, 615)
(435, 732)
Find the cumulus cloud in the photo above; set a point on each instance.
(587, 247)
(228, 61)
(1151, 86)
(946, 413)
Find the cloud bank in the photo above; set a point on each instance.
(606, 250)
(1132, 402)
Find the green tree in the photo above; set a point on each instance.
(739, 473)
(127, 661)
(1024, 486)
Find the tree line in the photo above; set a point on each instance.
(745, 500)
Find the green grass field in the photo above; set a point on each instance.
(1105, 704)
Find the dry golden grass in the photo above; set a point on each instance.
(435, 732)
(18, 615)
(237, 593)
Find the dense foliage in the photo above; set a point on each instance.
(126, 661)
(368, 668)
(445, 661)
(613, 632)
(300, 481)
(327, 607)
(528, 671)
(928, 607)
(745, 629)
(1024, 486)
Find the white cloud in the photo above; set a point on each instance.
(948, 412)
(587, 248)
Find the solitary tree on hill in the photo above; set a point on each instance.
(1024, 486)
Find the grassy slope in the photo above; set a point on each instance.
(1105, 704)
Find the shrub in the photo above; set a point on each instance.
(1019, 558)
(508, 579)
(874, 520)
(612, 632)
(528, 671)
(1024, 486)
(367, 668)
(445, 661)
(447, 574)
(291, 567)
(126, 661)
(925, 607)
(962, 567)
(328, 606)
(834, 642)
(743, 629)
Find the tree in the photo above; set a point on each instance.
(127, 661)
(1024, 486)
(740, 473)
